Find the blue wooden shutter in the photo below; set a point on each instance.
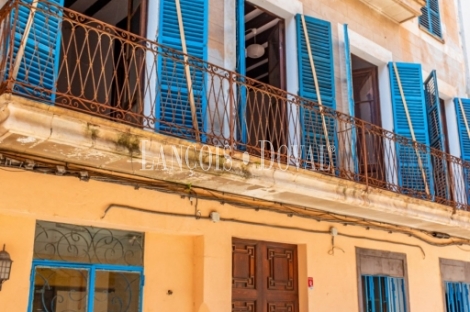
(319, 33)
(464, 139)
(38, 68)
(395, 293)
(241, 69)
(436, 135)
(383, 294)
(430, 18)
(173, 110)
(409, 172)
(351, 103)
(457, 297)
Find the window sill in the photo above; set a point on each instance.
(424, 29)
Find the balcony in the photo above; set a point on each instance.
(100, 70)
(397, 10)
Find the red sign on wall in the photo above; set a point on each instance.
(310, 283)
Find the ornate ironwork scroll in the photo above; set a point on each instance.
(64, 242)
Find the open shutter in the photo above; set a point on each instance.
(38, 64)
(314, 139)
(173, 109)
(410, 173)
(241, 69)
(430, 17)
(436, 135)
(464, 139)
(347, 52)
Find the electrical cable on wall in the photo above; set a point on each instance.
(236, 200)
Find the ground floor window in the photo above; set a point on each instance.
(383, 293)
(86, 269)
(457, 297)
(456, 284)
(382, 278)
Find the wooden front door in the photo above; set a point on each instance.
(264, 277)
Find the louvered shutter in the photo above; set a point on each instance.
(457, 297)
(436, 135)
(173, 109)
(242, 131)
(410, 176)
(38, 67)
(464, 139)
(347, 52)
(313, 135)
(430, 17)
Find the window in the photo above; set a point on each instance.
(430, 18)
(382, 278)
(78, 268)
(456, 283)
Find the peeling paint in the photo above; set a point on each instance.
(26, 140)
(84, 154)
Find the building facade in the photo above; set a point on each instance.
(219, 155)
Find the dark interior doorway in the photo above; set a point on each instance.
(265, 62)
(367, 108)
(100, 65)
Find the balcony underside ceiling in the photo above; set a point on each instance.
(397, 10)
(35, 129)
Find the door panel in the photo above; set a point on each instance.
(264, 276)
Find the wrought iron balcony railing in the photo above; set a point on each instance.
(76, 62)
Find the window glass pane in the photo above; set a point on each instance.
(457, 297)
(60, 290)
(383, 294)
(64, 242)
(117, 291)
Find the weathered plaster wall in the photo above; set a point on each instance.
(193, 257)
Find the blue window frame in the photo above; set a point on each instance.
(78, 269)
(63, 286)
(457, 297)
(383, 294)
(430, 18)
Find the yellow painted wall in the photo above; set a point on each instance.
(193, 257)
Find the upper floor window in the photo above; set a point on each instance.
(430, 19)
